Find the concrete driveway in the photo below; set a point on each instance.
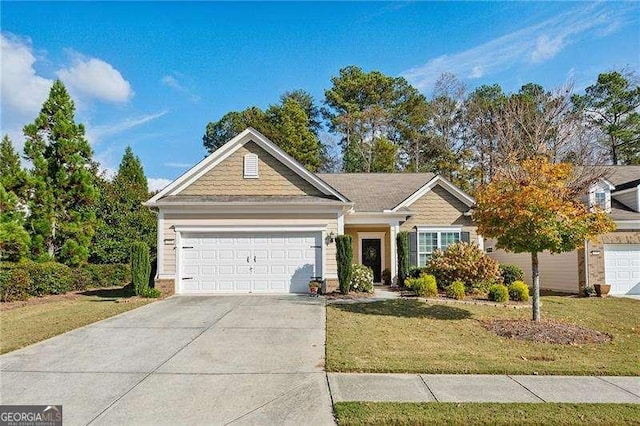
(214, 360)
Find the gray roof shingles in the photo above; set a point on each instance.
(375, 192)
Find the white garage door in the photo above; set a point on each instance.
(622, 268)
(250, 263)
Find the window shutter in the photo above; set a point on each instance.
(465, 237)
(251, 166)
(413, 248)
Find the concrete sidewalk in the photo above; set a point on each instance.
(482, 388)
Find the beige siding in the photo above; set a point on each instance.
(440, 207)
(274, 178)
(558, 272)
(184, 219)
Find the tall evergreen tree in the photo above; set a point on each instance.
(12, 175)
(63, 192)
(612, 105)
(122, 219)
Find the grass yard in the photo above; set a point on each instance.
(411, 336)
(24, 323)
(428, 413)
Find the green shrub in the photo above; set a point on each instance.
(499, 293)
(386, 276)
(455, 290)
(361, 278)
(140, 267)
(108, 275)
(424, 286)
(464, 262)
(344, 259)
(14, 241)
(510, 273)
(416, 271)
(151, 293)
(402, 245)
(519, 291)
(49, 278)
(14, 284)
(81, 279)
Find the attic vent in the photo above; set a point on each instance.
(251, 166)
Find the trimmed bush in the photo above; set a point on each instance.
(519, 291)
(464, 262)
(361, 278)
(81, 279)
(14, 284)
(140, 267)
(108, 275)
(344, 259)
(402, 245)
(49, 278)
(151, 293)
(499, 293)
(424, 286)
(510, 273)
(455, 290)
(416, 271)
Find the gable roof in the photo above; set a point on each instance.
(623, 177)
(377, 192)
(229, 148)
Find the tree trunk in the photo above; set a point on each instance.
(536, 286)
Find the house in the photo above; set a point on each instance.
(251, 219)
(614, 258)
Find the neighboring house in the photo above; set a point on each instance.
(250, 219)
(613, 259)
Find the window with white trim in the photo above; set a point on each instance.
(601, 199)
(434, 239)
(251, 166)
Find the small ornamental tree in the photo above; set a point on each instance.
(140, 267)
(534, 206)
(344, 259)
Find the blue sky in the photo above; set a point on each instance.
(151, 75)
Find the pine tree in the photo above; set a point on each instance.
(122, 219)
(62, 182)
(295, 135)
(12, 175)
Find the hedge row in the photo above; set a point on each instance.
(19, 281)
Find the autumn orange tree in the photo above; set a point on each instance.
(535, 205)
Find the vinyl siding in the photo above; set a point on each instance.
(227, 178)
(558, 272)
(440, 207)
(185, 219)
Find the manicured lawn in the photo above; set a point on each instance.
(417, 337)
(380, 413)
(40, 319)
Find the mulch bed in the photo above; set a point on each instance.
(546, 332)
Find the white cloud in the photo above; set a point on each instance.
(533, 44)
(178, 165)
(95, 78)
(22, 90)
(96, 133)
(156, 184)
(173, 82)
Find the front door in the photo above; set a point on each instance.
(371, 256)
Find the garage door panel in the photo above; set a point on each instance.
(276, 262)
(622, 268)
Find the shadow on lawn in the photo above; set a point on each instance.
(109, 293)
(407, 309)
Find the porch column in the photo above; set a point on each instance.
(393, 232)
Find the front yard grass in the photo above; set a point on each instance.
(428, 413)
(39, 319)
(411, 336)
